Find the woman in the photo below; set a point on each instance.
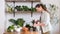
(45, 18)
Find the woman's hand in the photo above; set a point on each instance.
(41, 24)
(35, 24)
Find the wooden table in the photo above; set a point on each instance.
(21, 32)
(28, 32)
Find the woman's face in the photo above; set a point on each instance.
(39, 9)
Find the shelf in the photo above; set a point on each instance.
(22, 0)
(21, 12)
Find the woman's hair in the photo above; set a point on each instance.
(43, 6)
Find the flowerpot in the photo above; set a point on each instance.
(12, 30)
(18, 29)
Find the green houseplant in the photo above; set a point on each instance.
(32, 9)
(19, 21)
(9, 8)
(28, 26)
(25, 8)
(17, 24)
(10, 28)
(19, 8)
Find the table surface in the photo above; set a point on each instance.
(28, 32)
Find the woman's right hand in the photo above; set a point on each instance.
(36, 24)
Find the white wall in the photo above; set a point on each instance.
(2, 16)
(55, 2)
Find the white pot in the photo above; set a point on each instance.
(12, 30)
(18, 29)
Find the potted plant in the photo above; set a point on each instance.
(28, 26)
(19, 8)
(9, 8)
(18, 24)
(25, 8)
(10, 28)
(32, 9)
(19, 21)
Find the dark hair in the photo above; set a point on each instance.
(43, 6)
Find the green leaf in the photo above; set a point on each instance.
(10, 28)
(20, 22)
(13, 21)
